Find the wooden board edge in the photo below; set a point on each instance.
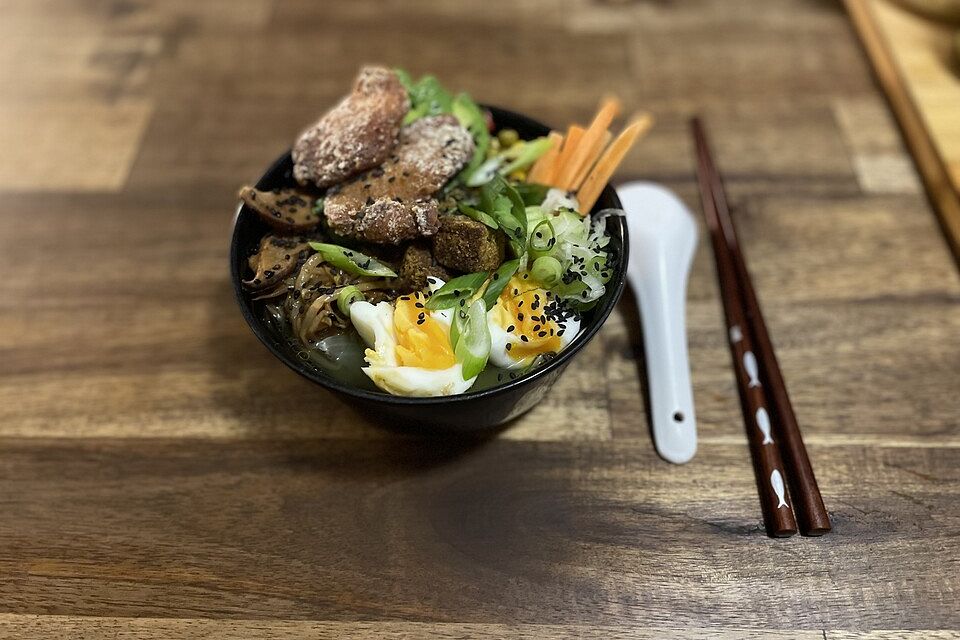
(932, 168)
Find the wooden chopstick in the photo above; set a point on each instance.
(768, 466)
(808, 503)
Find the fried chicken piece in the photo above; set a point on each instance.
(356, 134)
(394, 202)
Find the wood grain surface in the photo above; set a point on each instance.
(162, 476)
(914, 63)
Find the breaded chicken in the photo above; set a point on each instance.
(357, 134)
(395, 202)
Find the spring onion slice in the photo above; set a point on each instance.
(547, 270)
(472, 339)
(498, 281)
(352, 261)
(460, 288)
(346, 297)
(543, 239)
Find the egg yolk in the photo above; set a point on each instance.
(422, 341)
(521, 306)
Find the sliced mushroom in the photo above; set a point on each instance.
(276, 259)
(283, 209)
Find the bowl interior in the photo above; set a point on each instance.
(249, 229)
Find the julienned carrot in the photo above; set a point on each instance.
(543, 167)
(607, 164)
(592, 156)
(570, 144)
(609, 110)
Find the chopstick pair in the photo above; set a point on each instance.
(780, 459)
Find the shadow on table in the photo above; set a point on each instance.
(629, 310)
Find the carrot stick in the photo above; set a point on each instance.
(598, 148)
(574, 134)
(601, 122)
(543, 167)
(609, 161)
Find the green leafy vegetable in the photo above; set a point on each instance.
(460, 288)
(477, 215)
(498, 281)
(318, 206)
(352, 261)
(532, 194)
(529, 153)
(472, 118)
(427, 96)
(501, 202)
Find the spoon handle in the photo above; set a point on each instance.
(665, 345)
(663, 237)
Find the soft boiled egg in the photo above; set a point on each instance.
(526, 322)
(410, 352)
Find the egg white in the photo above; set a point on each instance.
(500, 338)
(375, 324)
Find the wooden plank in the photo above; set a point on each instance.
(889, 68)
(923, 50)
(598, 532)
(79, 628)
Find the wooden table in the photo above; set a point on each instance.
(162, 476)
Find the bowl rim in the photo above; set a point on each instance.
(600, 313)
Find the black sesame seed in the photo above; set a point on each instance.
(510, 328)
(524, 338)
(421, 320)
(509, 346)
(542, 334)
(418, 305)
(520, 317)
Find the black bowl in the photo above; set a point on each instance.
(471, 411)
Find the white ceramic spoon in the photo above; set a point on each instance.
(663, 237)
